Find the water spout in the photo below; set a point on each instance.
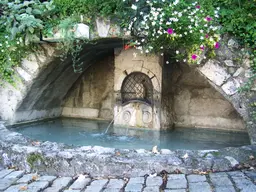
(112, 122)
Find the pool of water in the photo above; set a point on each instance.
(80, 132)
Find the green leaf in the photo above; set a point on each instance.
(31, 29)
(29, 10)
(36, 12)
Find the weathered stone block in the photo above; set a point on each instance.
(154, 181)
(196, 178)
(80, 183)
(201, 186)
(213, 71)
(231, 87)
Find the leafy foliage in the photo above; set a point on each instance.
(185, 28)
(20, 24)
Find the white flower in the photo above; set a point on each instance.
(177, 60)
(189, 27)
(201, 31)
(180, 35)
(185, 33)
(192, 20)
(201, 37)
(147, 51)
(2, 50)
(175, 2)
(134, 7)
(153, 23)
(142, 40)
(179, 14)
(6, 36)
(177, 52)
(161, 47)
(0, 45)
(191, 31)
(167, 62)
(185, 60)
(162, 54)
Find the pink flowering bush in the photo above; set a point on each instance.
(184, 30)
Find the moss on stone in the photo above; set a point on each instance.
(33, 158)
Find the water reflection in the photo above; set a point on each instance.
(86, 132)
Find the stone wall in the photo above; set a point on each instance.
(197, 104)
(92, 95)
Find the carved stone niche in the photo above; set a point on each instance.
(137, 90)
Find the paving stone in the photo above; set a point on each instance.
(15, 174)
(220, 174)
(93, 189)
(200, 186)
(133, 187)
(154, 181)
(80, 183)
(111, 190)
(99, 182)
(59, 184)
(176, 176)
(225, 189)
(96, 185)
(221, 181)
(175, 190)
(115, 184)
(137, 180)
(37, 186)
(244, 184)
(151, 189)
(177, 184)
(5, 172)
(196, 178)
(6, 182)
(251, 174)
(236, 174)
(27, 178)
(17, 188)
(46, 178)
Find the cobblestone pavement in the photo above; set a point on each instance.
(236, 181)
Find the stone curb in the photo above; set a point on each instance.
(63, 160)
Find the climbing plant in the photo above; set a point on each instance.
(20, 24)
(189, 30)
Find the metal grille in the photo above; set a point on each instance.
(137, 86)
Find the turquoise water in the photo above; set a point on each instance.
(79, 132)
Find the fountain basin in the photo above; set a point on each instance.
(66, 160)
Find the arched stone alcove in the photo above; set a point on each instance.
(47, 82)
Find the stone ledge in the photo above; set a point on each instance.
(63, 160)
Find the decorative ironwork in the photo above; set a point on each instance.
(137, 86)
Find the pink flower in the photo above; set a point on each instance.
(194, 57)
(198, 6)
(206, 36)
(170, 31)
(217, 45)
(202, 47)
(208, 18)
